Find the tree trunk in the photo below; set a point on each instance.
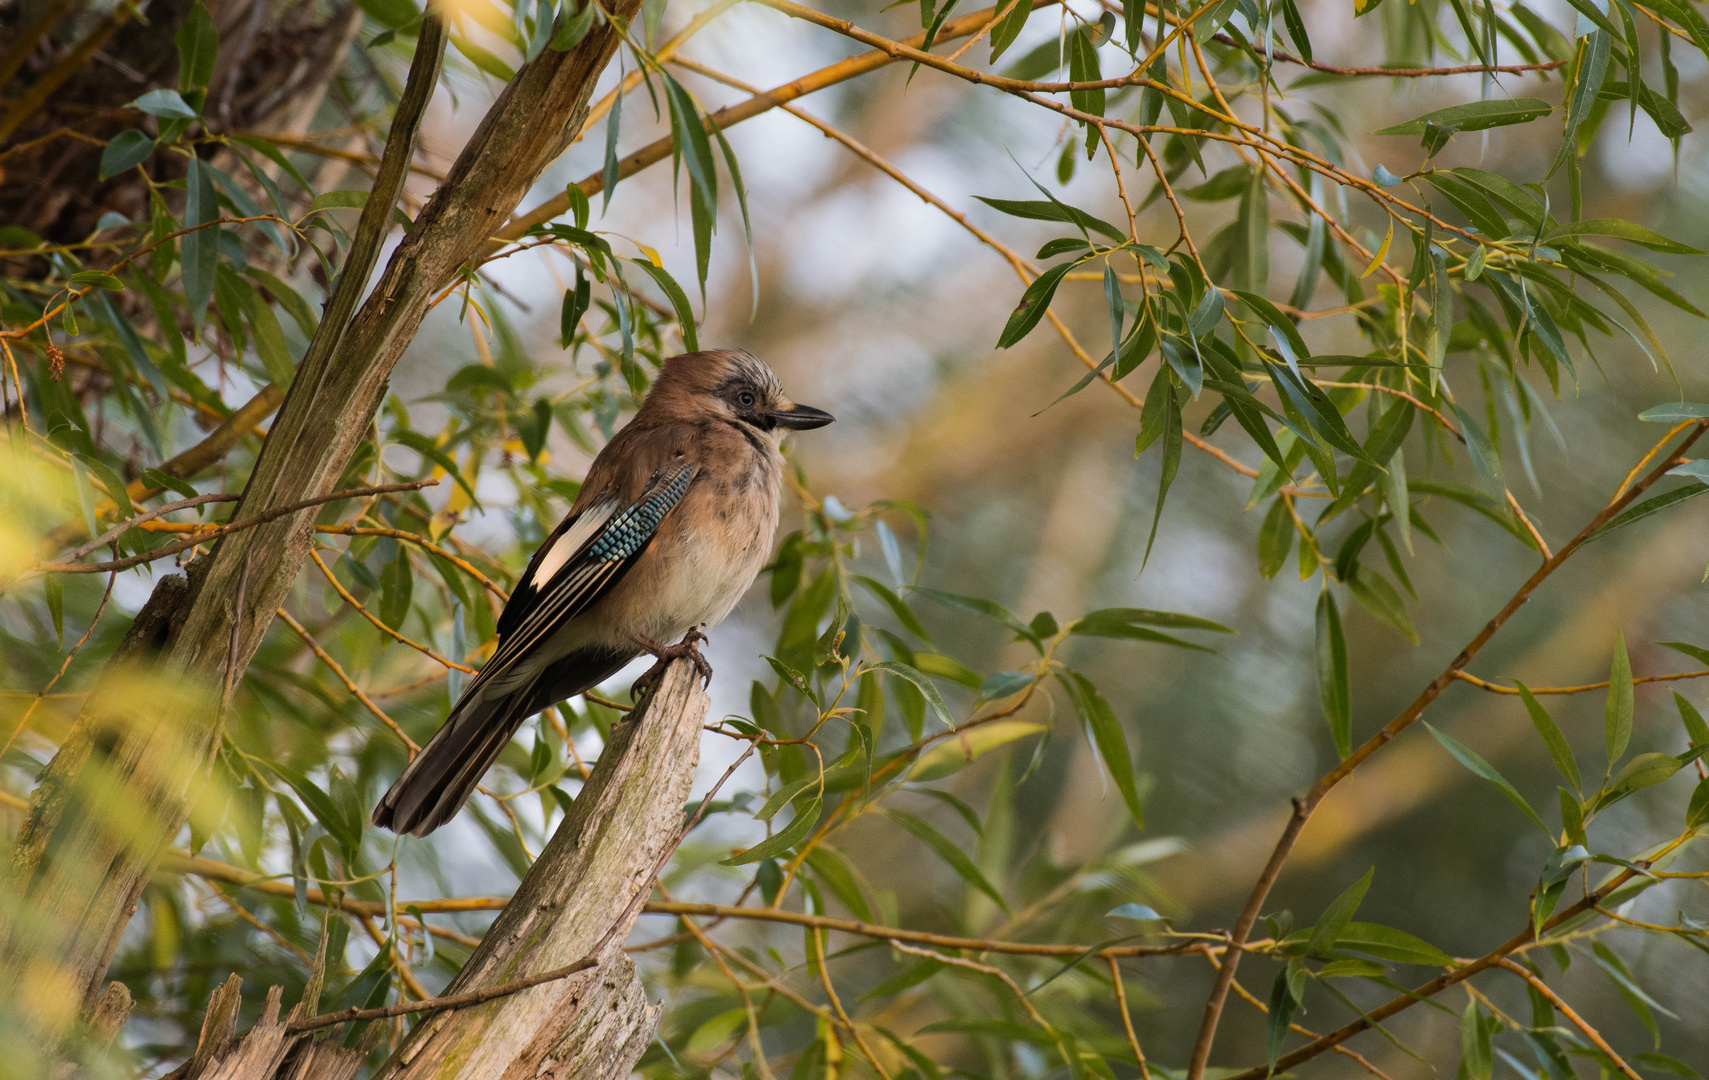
(579, 899)
(577, 903)
(120, 788)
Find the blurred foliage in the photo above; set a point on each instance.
(1483, 301)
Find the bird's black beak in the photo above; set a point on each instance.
(801, 417)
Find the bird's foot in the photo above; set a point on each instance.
(686, 649)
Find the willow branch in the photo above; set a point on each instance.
(731, 115)
(1407, 999)
(344, 594)
(1494, 688)
(1305, 805)
(1567, 1011)
(215, 530)
(440, 1004)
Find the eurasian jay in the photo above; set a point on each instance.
(673, 523)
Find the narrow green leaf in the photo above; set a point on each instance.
(1009, 27)
(1337, 916)
(1644, 771)
(1333, 685)
(1572, 817)
(678, 299)
(288, 298)
(904, 614)
(397, 585)
(1617, 709)
(1622, 230)
(1149, 617)
(112, 482)
(949, 853)
(126, 150)
(1281, 1015)
(1377, 596)
(1674, 412)
(613, 123)
(1171, 464)
(831, 868)
(927, 688)
(806, 816)
(167, 104)
(53, 589)
(1275, 539)
(1695, 729)
(1655, 504)
(201, 248)
(1252, 265)
(975, 606)
(1559, 751)
(1697, 810)
(1468, 757)
(319, 804)
(431, 450)
(198, 46)
(1476, 1057)
(577, 300)
(1034, 302)
(344, 199)
(1387, 943)
(1051, 210)
(573, 26)
(1474, 116)
(1107, 734)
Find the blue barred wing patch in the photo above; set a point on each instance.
(629, 531)
(583, 578)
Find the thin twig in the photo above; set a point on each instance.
(1305, 805)
(1127, 1019)
(424, 544)
(1567, 1011)
(1493, 688)
(440, 1004)
(149, 515)
(23, 721)
(214, 531)
(349, 683)
(344, 594)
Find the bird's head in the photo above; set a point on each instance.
(736, 387)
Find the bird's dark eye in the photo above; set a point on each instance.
(746, 399)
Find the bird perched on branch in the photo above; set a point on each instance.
(672, 524)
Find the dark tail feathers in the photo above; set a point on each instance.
(438, 781)
(434, 787)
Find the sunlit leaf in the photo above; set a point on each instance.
(1474, 116)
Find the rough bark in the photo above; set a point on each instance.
(275, 63)
(577, 903)
(579, 899)
(132, 765)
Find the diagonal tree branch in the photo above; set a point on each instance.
(731, 115)
(1306, 804)
(113, 798)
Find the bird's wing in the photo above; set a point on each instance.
(585, 556)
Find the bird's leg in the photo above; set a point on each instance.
(686, 649)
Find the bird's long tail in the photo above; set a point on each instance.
(438, 781)
(434, 787)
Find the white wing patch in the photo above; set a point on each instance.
(591, 521)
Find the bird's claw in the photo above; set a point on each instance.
(686, 649)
